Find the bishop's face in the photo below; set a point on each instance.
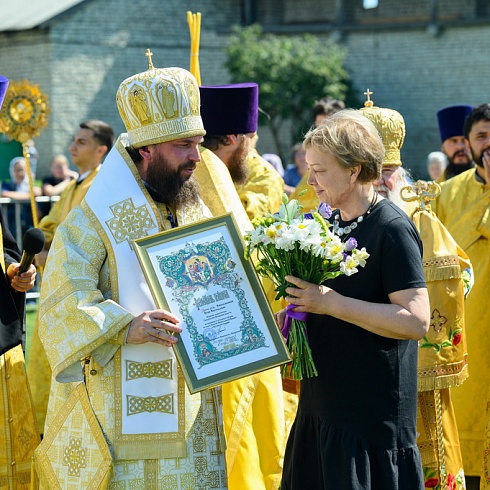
(171, 165)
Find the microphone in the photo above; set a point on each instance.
(32, 243)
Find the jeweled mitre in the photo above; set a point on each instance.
(391, 127)
(160, 104)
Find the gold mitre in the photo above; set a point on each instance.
(160, 104)
(390, 126)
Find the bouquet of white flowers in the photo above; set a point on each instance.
(302, 245)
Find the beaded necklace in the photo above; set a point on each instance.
(343, 232)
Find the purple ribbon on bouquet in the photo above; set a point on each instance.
(290, 315)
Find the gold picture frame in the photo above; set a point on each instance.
(199, 273)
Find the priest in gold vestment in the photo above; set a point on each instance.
(231, 133)
(453, 143)
(464, 208)
(120, 414)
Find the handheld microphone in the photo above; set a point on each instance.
(32, 243)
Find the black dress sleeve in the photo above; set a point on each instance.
(402, 257)
(12, 305)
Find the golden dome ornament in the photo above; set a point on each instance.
(22, 117)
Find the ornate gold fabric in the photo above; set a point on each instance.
(38, 369)
(463, 207)
(19, 434)
(262, 193)
(391, 127)
(39, 374)
(442, 359)
(485, 473)
(74, 452)
(438, 440)
(160, 104)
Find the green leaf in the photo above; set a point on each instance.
(293, 72)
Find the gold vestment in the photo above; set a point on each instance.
(464, 208)
(38, 369)
(442, 359)
(262, 193)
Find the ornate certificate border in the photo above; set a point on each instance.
(199, 273)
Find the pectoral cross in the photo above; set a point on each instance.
(149, 54)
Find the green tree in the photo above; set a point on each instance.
(292, 72)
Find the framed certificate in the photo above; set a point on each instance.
(199, 273)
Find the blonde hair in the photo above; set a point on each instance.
(61, 158)
(352, 139)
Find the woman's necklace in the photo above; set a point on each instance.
(347, 229)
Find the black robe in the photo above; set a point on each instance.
(12, 303)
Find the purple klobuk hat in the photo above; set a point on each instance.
(451, 120)
(230, 109)
(4, 83)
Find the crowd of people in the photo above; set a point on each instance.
(400, 400)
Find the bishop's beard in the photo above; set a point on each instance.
(172, 186)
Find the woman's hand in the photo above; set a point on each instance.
(310, 298)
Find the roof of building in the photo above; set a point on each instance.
(21, 15)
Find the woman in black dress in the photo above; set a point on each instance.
(356, 422)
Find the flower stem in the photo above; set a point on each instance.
(302, 364)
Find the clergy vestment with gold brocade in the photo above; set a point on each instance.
(464, 208)
(262, 192)
(442, 359)
(108, 399)
(38, 370)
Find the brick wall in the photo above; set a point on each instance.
(418, 74)
(81, 56)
